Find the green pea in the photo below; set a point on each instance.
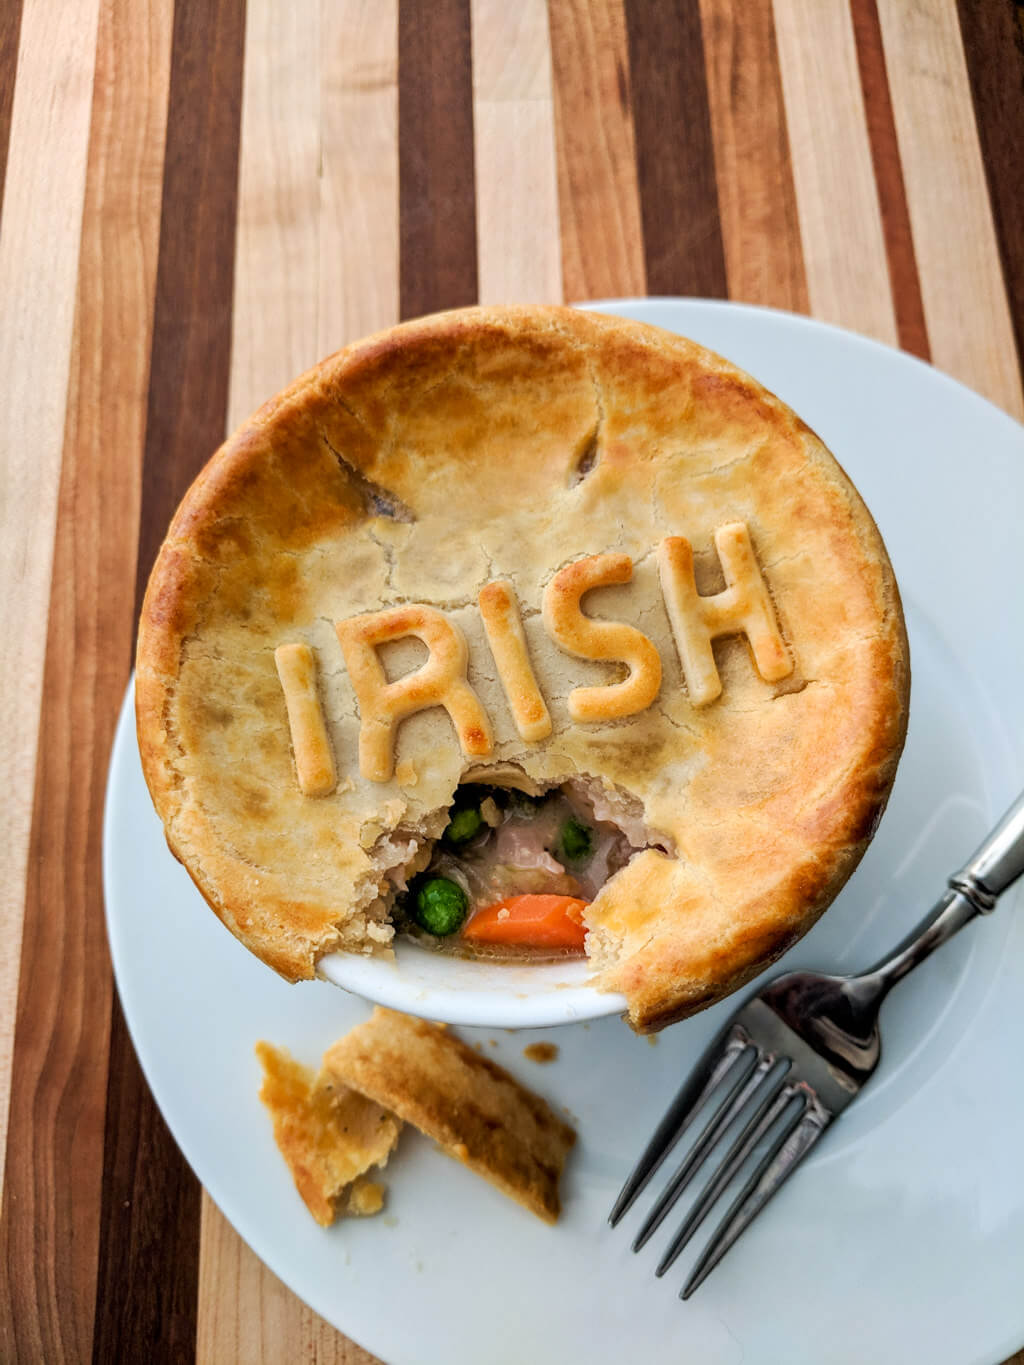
(575, 842)
(441, 906)
(464, 825)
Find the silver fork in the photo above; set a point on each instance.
(792, 1058)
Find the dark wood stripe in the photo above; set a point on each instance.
(892, 197)
(436, 177)
(50, 1220)
(993, 37)
(675, 157)
(148, 1288)
(10, 36)
(756, 195)
(598, 199)
(191, 357)
(147, 1285)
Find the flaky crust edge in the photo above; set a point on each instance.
(797, 902)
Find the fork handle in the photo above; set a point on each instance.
(997, 863)
(973, 891)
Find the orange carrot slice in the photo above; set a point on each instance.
(533, 921)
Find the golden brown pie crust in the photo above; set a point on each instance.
(508, 444)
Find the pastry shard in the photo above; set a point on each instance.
(744, 607)
(473, 1109)
(441, 681)
(607, 641)
(329, 1135)
(552, 450)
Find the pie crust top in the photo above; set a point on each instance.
(501, 541)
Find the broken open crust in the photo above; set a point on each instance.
(506, 444)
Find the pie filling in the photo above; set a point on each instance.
(513, 872)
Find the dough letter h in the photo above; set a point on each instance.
(744, 607)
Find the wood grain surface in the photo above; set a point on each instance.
(675, 159)
(518, 247)
(836, 192)
(436, 182)
(892, 196)
(993, 39)
(598, 194)
(38, 273)
(358, 289)
(753, 168)
(965, 301)
(10, 33)
(202, 198)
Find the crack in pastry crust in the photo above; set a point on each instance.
(476, 424)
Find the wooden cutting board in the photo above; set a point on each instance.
(202, 198)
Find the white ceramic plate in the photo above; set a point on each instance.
(902, 1238)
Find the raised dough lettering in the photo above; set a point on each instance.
(499, 609)
(744, 607)
(441, 681)
(311, 745)
(608, 641)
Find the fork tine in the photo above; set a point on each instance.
(764, 1116)
(715, 1064)
(793, 1143)
(734, 1102)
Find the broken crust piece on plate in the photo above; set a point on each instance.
(329, 1135)
(473, 1109)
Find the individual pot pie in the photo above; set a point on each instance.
(538, 565)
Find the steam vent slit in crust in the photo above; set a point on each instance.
(524, 588)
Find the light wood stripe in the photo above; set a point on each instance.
(40, 239)
(518, 247)
(274, 322)
(51, 1218)
(358, 291)
(598, 196)
(249, 1316)
(962, 286)
(756, 199)
(10, 33)
(317, 268)
(837, 201)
